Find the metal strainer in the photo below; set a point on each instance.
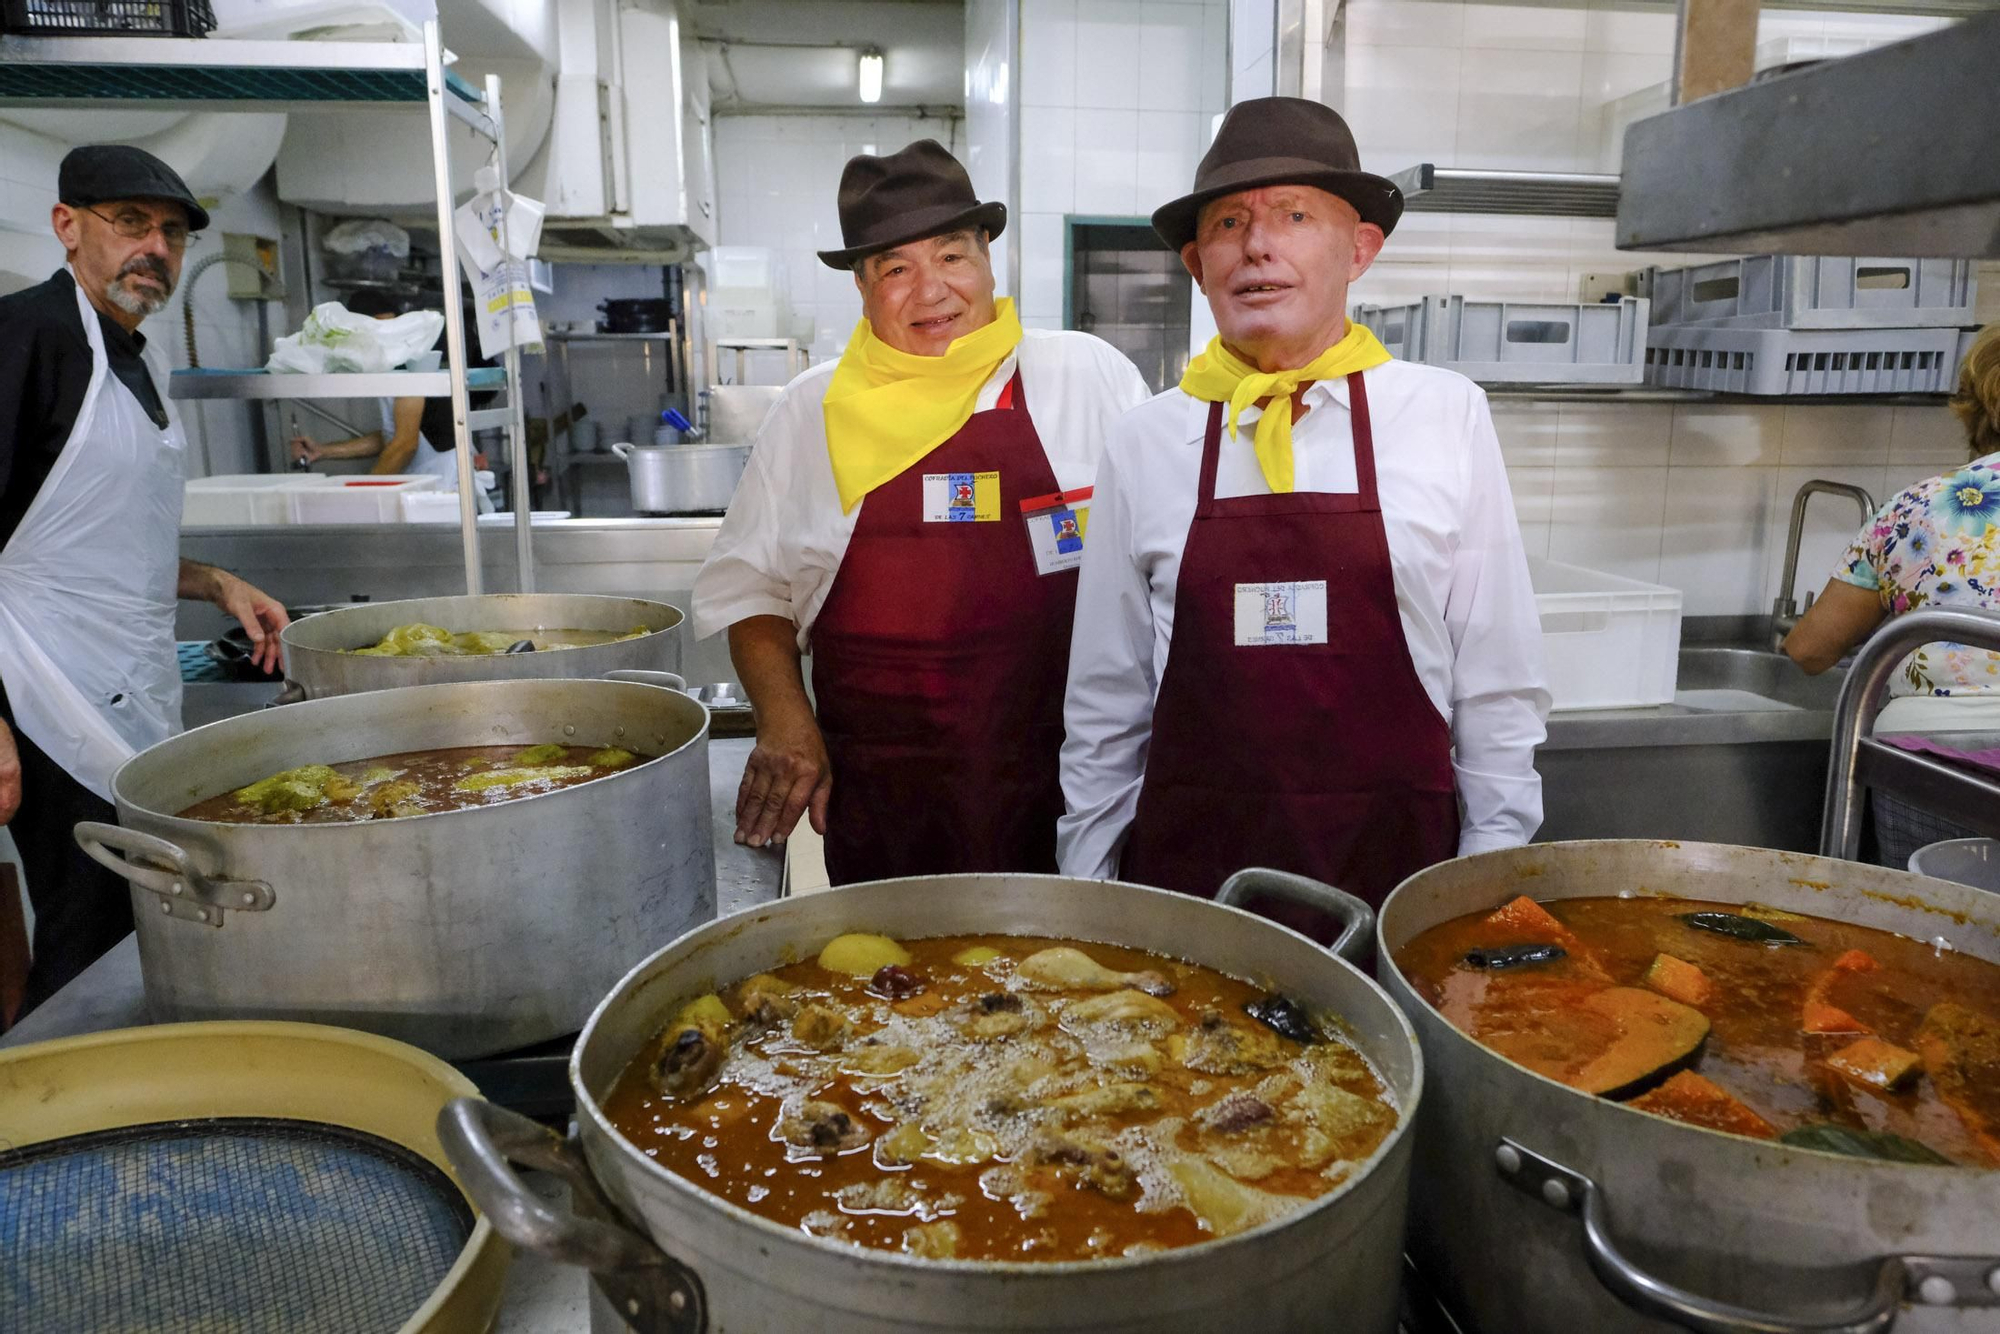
(223, 1226)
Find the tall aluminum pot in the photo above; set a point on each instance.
(318, 662)
(463, 932)
(1538, 1208)
(1332, 1265)
(682, 479)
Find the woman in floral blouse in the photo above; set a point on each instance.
(1934, 545)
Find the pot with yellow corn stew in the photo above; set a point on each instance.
(991, 1102)
(1689, 1085)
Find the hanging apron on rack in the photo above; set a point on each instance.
(88, 584)
(429, 462)
(939, 660)
(1291, 730)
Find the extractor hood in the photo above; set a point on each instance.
(1894, 151)
(1429, 188)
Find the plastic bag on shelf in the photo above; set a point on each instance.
(335, 339)
(359, 235)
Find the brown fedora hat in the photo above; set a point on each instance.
(1281, 141)
(906, 196)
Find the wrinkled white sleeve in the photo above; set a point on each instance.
(1108, 709)
(1500, 697)
(746, 573)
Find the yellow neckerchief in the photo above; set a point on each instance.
(886, 409)
(1220, 376)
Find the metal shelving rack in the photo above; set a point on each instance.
(1860, 761)
(194, 74)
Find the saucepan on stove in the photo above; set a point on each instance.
(981, 1102)
(1691, 1086)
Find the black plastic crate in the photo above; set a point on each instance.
(106, 18)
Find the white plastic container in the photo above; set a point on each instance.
(1517, 342)
(357, 499)
(1610, 642)
(1815, 292)
(239, 500)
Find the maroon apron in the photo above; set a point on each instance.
(1325, 759)
(938, 664)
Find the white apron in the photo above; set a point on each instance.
(88, 584)
(429, 462)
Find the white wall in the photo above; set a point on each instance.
(992, 104)
(1694, 496)
(778, 178)
(1116, 101)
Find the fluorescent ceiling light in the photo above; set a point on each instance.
(871, 76)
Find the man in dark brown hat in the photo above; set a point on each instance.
(91, 475)
(913, 516)
(1305, 636)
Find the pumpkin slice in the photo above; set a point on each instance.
(1677, 979)
(1820, 1015)
(1876, 1064)
(1612, 1041)
(1961, 1053)
(1698, 1101)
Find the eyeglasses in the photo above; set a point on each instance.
(137, 227)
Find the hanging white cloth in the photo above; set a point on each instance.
(88, 583)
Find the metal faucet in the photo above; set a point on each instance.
(1785, 612)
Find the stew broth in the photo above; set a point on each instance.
(431, 641)
(1002, 1098)
(1839, 1039)
(416, 782)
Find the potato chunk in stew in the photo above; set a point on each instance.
(1003, 1098)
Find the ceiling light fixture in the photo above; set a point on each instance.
(871, 75)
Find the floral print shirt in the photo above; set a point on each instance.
(1937, 544)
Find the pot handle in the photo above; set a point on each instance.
(647, 677)
(1357, 919)
(293, 693)
(1959, 1281)
(623, 449)
(169, 873)
(654, 1292)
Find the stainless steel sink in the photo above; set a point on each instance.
(1772, 676)
(1740, 756)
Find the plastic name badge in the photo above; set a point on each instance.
(1056, 525)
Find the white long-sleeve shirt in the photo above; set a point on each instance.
(781, 543)
(1461, 577)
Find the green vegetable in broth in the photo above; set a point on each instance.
(546, 753)
(493, 778)
(1854, 1142)
(613, 757)
(298, 789)
(1740, 928)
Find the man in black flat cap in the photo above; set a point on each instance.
(91, 475)
(908, 520)
(1305, 636)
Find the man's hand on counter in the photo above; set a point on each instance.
(788, 775)
(262, 616)
(10, 775)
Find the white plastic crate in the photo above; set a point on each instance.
(367, 499)
(1610, 642)
(1803, 361)
(1814, 292)
(240, 500)
(1517, 342)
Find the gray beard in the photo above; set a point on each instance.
(131, 302)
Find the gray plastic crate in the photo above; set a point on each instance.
(1814, 292)
(1803, 361)
(1517, 342)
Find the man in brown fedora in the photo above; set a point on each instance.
(913, 517)
(1305, 636)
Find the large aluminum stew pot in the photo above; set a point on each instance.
(463, 932)
(319, 661)
(1538, 1208)
(682, 1259)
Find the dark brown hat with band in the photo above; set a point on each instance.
(1281, 141)
(921, 191)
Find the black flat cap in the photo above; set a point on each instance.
(94, 173)
(1281, 141)
(921, 191)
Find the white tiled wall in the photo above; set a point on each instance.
(1117, 97)
(778, 178)
(1694, 496)
(28, 250)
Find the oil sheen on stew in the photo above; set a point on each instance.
(1743, 1019)
(1003, 1098)
(417, 782)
